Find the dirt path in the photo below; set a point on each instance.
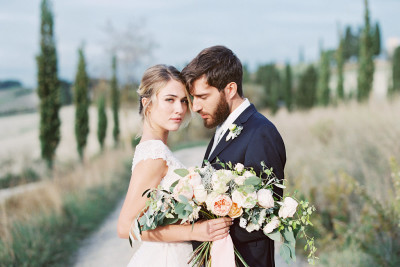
(104, 248)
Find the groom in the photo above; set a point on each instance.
(214, 79)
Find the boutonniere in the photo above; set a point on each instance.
(234, 131)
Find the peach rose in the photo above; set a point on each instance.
(221, 205)
(235, 211)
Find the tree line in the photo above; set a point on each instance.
(311, 86)
(52, 92)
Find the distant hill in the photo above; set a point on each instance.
(10, 84)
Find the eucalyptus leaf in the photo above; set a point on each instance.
(275, 235)
(183, 199)
(289, 237)
(252, 180)
(280, 186)
(181, 172)
(284, 251)
(171, 188)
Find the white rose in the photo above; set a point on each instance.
(200, 193)
(252, 227)
(239, 167)
(265, 199)
(232, 127)
(271, 226)
(238, 198)
(239, 180)
(248, 174)
(288, 208)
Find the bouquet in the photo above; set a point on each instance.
(233, 191)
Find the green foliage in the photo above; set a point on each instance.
(340, 63)
(366, 63)
(115, 99)
(288, 87)
(28, 175)
(306, 94)
(268, 76)
(323, 91)
(48, 86)
(102, 121)
(376, 35)
(246, 74)
(81, 99)
(396, 71)
(351, 44)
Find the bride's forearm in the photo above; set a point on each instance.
(170, 233)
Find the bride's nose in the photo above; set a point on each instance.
(179, 107)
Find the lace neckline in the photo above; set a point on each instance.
(151, 141)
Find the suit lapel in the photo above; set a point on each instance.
(223, 143)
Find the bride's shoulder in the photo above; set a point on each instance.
(151, 149)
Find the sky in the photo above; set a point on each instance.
(258, 31)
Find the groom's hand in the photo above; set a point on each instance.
(211, 230)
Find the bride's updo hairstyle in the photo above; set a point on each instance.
(155, 78)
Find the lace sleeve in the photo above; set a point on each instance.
(151, 149)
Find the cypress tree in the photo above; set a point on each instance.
(377, 40)
(115, 99)
(306, 95)
(268, 77)
(48, 87)
(365, 62)
(396, 71)
(323, 91)
(340, 75)
(102, 121)
(288, 87)
(81, 105)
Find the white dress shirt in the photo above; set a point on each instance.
(222, 128)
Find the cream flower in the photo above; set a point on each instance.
(272, 225)
(265, 198)
(288, 208)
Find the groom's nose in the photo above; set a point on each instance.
(196, 106)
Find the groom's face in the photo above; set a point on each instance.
(209, 103)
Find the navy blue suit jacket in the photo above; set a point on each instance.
(258, 141)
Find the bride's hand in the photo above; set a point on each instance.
(211, 230)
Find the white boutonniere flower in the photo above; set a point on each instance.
(234, 131)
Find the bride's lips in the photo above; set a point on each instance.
(176, 119)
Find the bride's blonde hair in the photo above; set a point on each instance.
(155, 78)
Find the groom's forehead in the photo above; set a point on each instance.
(201, 86)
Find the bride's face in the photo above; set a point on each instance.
(170, 106)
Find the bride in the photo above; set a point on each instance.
(164, 105)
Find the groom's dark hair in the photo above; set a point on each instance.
(219, 65)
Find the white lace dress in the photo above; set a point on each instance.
(159, 254)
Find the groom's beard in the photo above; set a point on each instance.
(221, 113)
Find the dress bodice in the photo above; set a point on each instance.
(175, 254)
(156, 149)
